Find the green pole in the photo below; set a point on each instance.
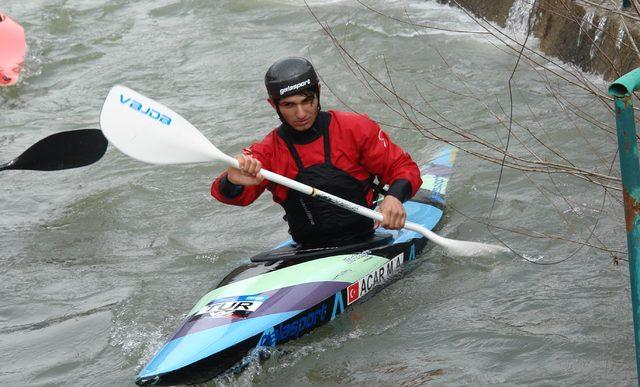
(622, 91)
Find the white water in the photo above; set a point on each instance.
(598, 37)
(586, 25)
(518, 19)
(100, 264)
(619, 36)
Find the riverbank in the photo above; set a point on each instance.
(593, 35)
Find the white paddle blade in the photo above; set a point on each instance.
(151, 132)
(457, 247)
(472, 249)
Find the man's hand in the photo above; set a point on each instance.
(393, 212)
(248, 173)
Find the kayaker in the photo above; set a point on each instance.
(337, 152)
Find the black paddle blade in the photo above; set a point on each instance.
(64, 150)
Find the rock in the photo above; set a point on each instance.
(592, 36)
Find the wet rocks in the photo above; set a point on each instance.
(594, 35)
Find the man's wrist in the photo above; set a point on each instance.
(229, 189)
(400, 189)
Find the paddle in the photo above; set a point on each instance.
(64, 150)
(151, 132)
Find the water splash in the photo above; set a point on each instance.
(586, 24)
(598, 37)
(531, 258)
(519, 16)
(619, 37)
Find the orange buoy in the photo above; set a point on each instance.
(12, 50)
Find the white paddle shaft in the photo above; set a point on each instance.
(338, 201)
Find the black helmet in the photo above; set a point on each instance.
(290, 76)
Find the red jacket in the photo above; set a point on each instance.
(358, 147)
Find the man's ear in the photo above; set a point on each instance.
(272, 103)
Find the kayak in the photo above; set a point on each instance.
(286, 292)
(12, 50)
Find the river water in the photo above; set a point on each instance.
(100, 264)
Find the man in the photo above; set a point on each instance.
(337, 152)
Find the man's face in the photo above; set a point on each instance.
(299, 111)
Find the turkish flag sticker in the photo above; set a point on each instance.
(353, 292)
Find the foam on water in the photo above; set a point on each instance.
(153, 241)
